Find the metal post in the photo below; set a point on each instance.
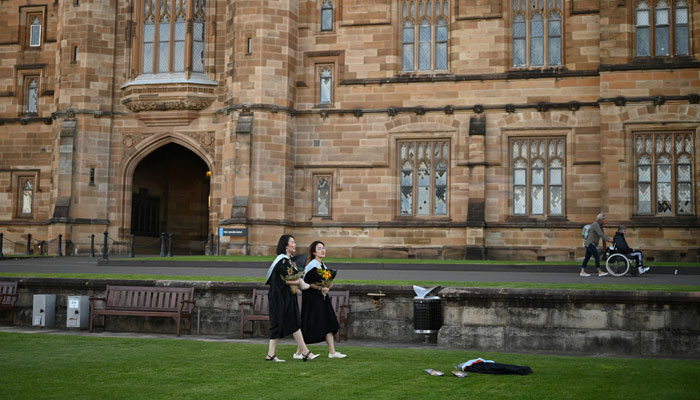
(2, 235)
(131, 246)
(170, 245)
(211, 244)
(43, 245)
(92, 245)
(162, 244)
(218, 245)
(60, 242)
(29, 244)
(105, 250)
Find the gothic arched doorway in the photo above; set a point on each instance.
(170, 193)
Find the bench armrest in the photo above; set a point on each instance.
(183, 302)
(93, 299)
(2, 297)
(242, 305)
(343, 307)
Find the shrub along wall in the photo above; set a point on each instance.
(509, 320)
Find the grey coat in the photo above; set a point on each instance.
(595, 234)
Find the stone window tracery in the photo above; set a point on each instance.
(662, 28)
(664, 173)
(537, 33)
(537, 166)
(168, 46)
(424, 35)
(423, 171)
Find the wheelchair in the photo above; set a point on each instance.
(616, 263)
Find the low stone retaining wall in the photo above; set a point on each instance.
(508, 320)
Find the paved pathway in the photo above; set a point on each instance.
(413, 272)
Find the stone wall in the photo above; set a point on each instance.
(508, 320)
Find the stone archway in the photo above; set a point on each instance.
(170, 189)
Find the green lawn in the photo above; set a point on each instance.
(523, 285)
(39, 366)
(390, 261)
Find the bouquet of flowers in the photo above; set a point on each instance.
(292, 275)
(327, 277)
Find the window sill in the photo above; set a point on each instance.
(198, 78)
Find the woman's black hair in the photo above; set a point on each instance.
(312, 251)
(282, 244)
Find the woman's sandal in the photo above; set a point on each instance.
(309, 356)
(273, 358)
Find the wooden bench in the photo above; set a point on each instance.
(143, 301)
(8, 298)
(340, 299)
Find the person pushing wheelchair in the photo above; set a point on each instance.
(621, 246)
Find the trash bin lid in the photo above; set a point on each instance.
(427, 298)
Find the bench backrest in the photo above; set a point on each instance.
(147, 298)
(8, 288)
(338, 299)
(260, 305)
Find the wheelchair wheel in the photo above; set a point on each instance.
(617, 265)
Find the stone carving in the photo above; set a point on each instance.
(189, 103)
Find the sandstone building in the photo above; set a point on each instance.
(387, 128)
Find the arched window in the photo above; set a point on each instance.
(32, 96)
(662, 29)
(424, 35)
(166, 38)
(35, 32)
(664, 173)
(662, 25)
(327, 16)
(27, 200)
(424, 177)
(681, 29)
(326, 85)
(537, 33)
(538, 176)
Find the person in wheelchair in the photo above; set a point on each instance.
(621, 246)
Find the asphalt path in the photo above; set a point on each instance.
(429, 273)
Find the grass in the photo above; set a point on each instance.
(392, 261)
(514, 285)
(39, 366)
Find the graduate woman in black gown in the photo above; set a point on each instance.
(318, 320)
(283, 305)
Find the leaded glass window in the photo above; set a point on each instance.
(664, 173)
(662, 26)
(327, 16)
(322, 195)
(166, 36)
(681, 31)
(424, 183)
(538, 176)
(32, 95)
(537, 33)
(198, 36)
(27, 198)
(662, 30)
(326, 86)
(35, 32)
(424, 35)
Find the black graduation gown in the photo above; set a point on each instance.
(283, 305)
(317, 315)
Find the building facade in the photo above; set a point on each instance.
(387, 128)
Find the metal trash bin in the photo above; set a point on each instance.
(427, 314)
